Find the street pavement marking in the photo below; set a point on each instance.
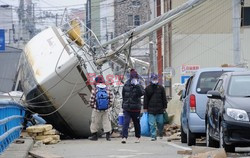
(176, 146)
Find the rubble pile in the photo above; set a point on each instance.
(172, 132)
(204, 152)
(44, 133)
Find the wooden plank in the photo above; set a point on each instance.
(39, 128)
(217, 153)
(43, 154)
(201, 149)
(184, 152)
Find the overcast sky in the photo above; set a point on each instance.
(48, 3)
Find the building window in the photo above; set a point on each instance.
(137, 20)
(130, 20)
(136, 3)
(245, 16)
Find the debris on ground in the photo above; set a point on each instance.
(172, 131)
(115, 135)
(44, 133)
(175, 136)
(43, 154)
(204, 152)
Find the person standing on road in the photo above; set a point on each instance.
(131, 105)
(100, 101)
(155, 103)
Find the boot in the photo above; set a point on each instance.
(108, 136)
(94, 137)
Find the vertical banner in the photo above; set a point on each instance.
(2, 40)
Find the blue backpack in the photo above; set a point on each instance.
(102, 99)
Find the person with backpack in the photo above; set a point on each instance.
(100, 100)
(155, 103)
(131, 105)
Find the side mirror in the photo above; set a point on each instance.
(214, 94)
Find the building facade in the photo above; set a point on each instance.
(203, 37)
(128, 15)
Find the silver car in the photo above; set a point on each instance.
(195, 99)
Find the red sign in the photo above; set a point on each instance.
(189, 69)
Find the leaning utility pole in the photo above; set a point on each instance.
(167, 34)
(152, 39)
(236, 32)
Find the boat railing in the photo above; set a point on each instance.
(11, 122)
(82, 41)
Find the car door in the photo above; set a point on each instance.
(215, 109)
(186, 104)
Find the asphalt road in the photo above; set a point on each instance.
(83, 148)
(114, 149)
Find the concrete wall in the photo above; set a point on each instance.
(194, 22)
(125, 8)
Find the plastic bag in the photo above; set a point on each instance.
(145, 130)
(165, 117)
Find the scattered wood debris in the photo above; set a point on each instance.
(172, 132)
(43, 154)
(44, 133)
(204, 152)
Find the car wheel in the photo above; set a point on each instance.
(191, 140)
(228, 148)
(210, 142)
(183, 136)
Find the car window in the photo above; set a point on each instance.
(239, 86)
(207, 81)
(189, 85)
(218, 85)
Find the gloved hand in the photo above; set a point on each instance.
(134, 81)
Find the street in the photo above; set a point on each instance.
(114, 149)
(79, 148)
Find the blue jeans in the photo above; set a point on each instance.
(156, 122)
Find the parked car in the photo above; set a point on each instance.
(228, 112)
(194, 102)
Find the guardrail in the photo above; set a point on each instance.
(11, 120)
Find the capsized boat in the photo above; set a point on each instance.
(59, 64)
(57, 71)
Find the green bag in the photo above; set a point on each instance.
(165, 117)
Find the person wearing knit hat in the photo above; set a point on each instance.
(131, 104)
(99, 79)
(155, 103)
(100, 100)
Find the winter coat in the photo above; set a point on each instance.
(131, 95)
(155, 100)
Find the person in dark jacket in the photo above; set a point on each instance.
(131, 105)
(155, 103)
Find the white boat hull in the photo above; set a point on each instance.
(55, 83)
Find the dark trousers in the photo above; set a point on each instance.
(136, 120)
